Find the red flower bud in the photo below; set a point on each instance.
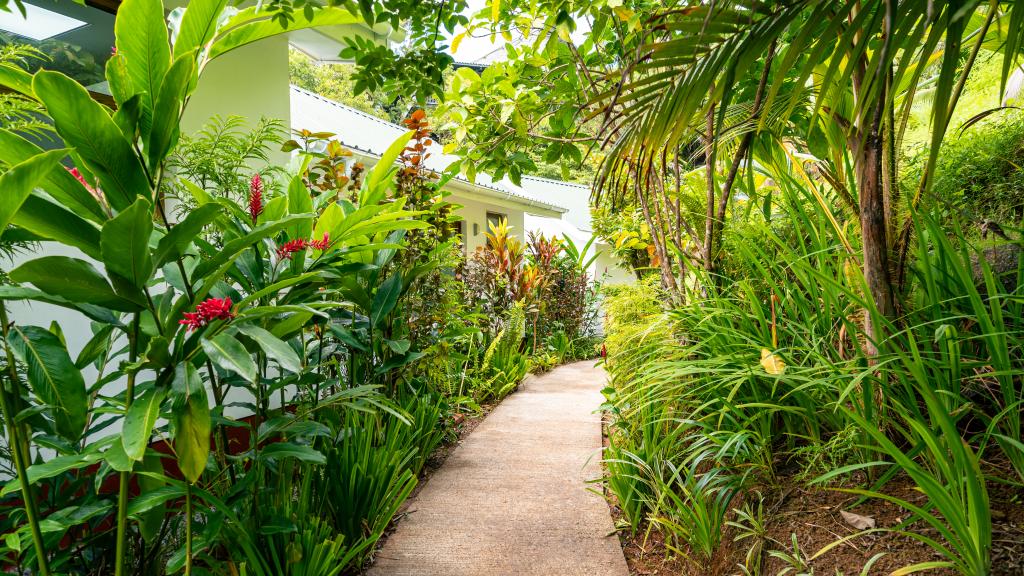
(207, 311)
(255, 197)
(286, 250)
(321, 244)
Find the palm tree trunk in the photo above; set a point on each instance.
(873, 225)
(709, 165)
(656, 227)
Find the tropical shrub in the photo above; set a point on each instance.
(725, 389)
(283, 304)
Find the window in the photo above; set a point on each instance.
(76, 39)
(460, 234)
(494, 218)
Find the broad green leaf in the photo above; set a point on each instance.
(53, 377)
(167, 108)
(142, 39)
(400, 360)
(231, 249)
(53, 467)
(348, 338)
(202, 197)
(328, 221)
(64, 519)
(124, 243)
(98, 345)
(139, 422)
(84, 124)
(120, 83)
(153, 499)
(374, 189)
(293, 427)
(13, 77)
(54, 222)
(251, 25)
(273, 211)
(96, 313)
(17, 183)
(291, 324)
(175, 242)
(300, 202)
(275, 348)
(148, 507)
(276, 287)
(373, 228)
(399, 346)
(12, 541)
(127, 117)
(116, 457)
(385, 299)
(59, 184)
(191, 422)
(228, 353)
(72, 279)
(198, 25)
(302, 452)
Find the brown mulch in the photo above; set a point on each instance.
(813, 515)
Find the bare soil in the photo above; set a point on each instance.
(813, 515)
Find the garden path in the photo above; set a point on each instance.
(512, 499)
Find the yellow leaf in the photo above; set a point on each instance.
(456, 41)
(623, 13)
(495, 10)
(772, 364)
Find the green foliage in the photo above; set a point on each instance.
(220, 159)
(772, 366)
(335, 81)
(288, 305)
(978, 176)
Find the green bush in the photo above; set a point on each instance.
(979, 174)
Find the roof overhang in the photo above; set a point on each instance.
(325, 43)
(480, 192)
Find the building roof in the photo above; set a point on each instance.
(370, 135)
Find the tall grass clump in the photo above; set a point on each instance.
(769, 360)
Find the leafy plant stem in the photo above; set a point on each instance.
(188, 529)
(125, 477)
(14, 433)
(222, 439)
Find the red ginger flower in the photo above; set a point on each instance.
(207, 311)
(255, 197)
(286, 250)
(96, 193)
(321, 244)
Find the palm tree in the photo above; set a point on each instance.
(861, 62)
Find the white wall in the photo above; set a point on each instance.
(474, 217)
(251, 82)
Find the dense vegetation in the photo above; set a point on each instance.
(827, 195)
(275, 351)
(820, 198)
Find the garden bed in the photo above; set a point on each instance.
(813, 516)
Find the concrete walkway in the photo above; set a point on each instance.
(512, 499)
